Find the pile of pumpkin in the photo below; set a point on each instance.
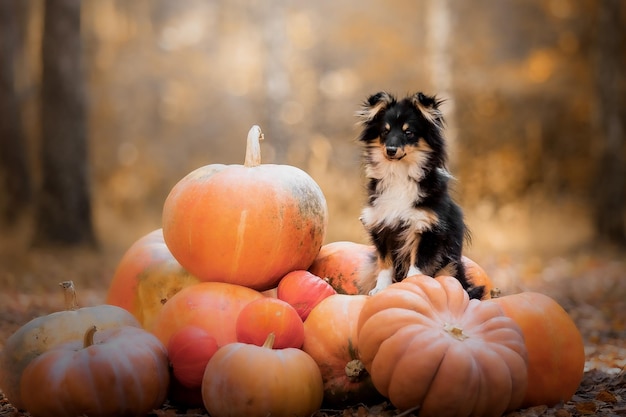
(236, 305)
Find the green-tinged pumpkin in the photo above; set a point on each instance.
(146, 277)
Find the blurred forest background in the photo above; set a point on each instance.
(106, 104)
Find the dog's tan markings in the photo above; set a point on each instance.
(448, 270)
(430, 113)
(387, 127)
(369, 111)
(405, 127)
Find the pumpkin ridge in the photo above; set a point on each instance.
(439, 345)
(239, 241)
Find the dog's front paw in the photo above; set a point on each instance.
(374, 291)
(383, 280)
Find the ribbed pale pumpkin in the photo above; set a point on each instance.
(245, 224)
(116, 372)
(44, 333)
(426, 344)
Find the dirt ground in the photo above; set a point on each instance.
(589, 284)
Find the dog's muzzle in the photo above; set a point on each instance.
(393, 152)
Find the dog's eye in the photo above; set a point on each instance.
(409, 134)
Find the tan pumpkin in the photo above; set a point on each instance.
(116, 372)
(330, 337)
(258, 381)
(44, 333)
(427, 345)
(245, 224)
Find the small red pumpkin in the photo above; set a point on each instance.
(341, 263)
(116, 372)
(245, 224)
(270, 315)
(189, 350)
(303, 291)
(146, 277)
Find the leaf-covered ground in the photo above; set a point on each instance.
(592, 288)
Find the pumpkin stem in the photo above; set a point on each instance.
(69, 291)
(355, 370)
(88, 338)
(253, 147)
(455, 331)
(269, 342)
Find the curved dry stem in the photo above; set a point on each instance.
(69, 291)
(253, 147)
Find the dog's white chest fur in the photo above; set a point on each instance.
(397, 193)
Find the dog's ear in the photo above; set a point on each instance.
(373, 106)
(429, 107)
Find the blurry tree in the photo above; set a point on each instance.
(609, 203)
(63, 212)
(14, 173)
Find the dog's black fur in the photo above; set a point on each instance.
(410, 216)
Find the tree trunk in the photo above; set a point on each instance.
(15, 181)
(63, 208)
(610, 181)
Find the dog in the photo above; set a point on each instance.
(413, 222)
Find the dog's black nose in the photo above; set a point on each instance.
(391, 151)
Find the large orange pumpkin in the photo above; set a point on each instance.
(146, 277)
(556, 351)
(426, 344)
(245, 224)
(330, 337)
(212, 306)
(342, 263)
